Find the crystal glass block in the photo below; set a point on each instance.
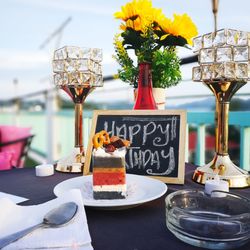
(196, 73)
(232, 37)
(58, 66)
(224, 71)
(96, 55)
(229, 70)
(79, 78)
(207, 72)
(220, 38)
(206, 56)
(86, 53)
(197, 43)
(242, 70)
(73, 52)
(84, 65)
(91, 65)
(75, 79)
(86, 77)
(99, 70)
(96, 80)
(96, 68)
(224, 54)
(218, 71)
(61, 79)
(60, 54)
(71, 65)
(242, 38)
(208, 40)
(58, 80)
(240, 53)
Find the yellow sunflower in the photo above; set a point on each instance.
(154, 18)
(134, 9)
(160, 20)
(183, 26)
(139, 24)
(135, 14)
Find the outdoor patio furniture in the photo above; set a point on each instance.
(14, 145)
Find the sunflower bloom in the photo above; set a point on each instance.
(136, 15)
(138, 24)
(162, 22)
(134, 9)
(183, 26)
(157, 17)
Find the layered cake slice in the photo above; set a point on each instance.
(109, 171)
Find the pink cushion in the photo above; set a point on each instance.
(6, 160)
(12, 133)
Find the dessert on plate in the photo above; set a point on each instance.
(109, 171)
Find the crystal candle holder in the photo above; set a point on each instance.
(223, 58)
(78, 72)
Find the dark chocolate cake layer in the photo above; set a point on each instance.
(102, 162)
(108, 195)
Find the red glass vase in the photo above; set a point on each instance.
(144, 98)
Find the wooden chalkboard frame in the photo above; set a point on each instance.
(182, 132)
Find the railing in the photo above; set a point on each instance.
(202, 119)
(56, 139)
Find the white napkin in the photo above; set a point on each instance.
(14, 198)
(74, 235)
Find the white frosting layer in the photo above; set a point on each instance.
(110, 188)
(119, 152)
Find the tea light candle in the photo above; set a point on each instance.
(216, 184)
(44, 170)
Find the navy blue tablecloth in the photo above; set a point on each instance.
(138, 228)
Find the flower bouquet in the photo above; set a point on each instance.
(153, 38)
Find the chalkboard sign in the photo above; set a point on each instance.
(157, 141)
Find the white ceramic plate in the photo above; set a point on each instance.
(140, 189)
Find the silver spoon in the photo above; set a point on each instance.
(57, 217)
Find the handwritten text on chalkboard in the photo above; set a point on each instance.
(149, 142)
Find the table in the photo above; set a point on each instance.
(138, 228)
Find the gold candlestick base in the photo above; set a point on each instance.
(72, 163)
(226, 169)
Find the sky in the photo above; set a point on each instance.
(26, 24)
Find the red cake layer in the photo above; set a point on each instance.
(109, 178)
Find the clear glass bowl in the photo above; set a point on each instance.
(209, 221)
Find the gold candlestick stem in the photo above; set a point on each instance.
(78, 126)
(222, 134)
